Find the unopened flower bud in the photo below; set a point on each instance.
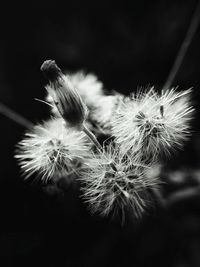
(51, 70)
(66, 98)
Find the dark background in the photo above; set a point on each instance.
(126, 45)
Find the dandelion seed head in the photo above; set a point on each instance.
(152, 124)
(110, 190)
(51, 150)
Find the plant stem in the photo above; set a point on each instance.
(184, 47)
(9, 113)
(92, 137)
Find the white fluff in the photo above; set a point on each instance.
(50, 150)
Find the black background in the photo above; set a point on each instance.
(127, 45)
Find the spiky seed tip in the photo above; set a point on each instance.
(66, 98)
(113, 191)
(153, 124)
(51, 151)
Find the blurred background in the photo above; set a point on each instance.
(127, 45)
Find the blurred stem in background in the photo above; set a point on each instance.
(14, 116)
(184, 47)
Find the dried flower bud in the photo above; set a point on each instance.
(66, 98)
(51, 70)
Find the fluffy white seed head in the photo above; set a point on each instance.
(66, 98)
(88, 86)
(151, 124)
(101, 114)
(114, 185)
(51, 150)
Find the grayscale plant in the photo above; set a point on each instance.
(115, 177)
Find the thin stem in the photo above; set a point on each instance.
(14, 116)
(184, 47)
(92, 137)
